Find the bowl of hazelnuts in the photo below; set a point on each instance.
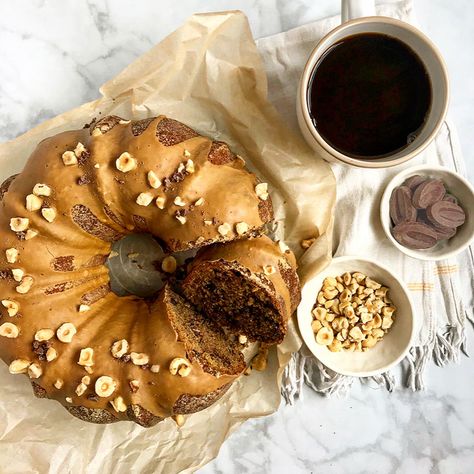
(356, 317)
(427, 212)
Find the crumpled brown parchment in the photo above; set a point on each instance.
(207, 74)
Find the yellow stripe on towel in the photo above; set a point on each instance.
(420, 286)
(445, 269)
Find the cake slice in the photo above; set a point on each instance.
(204, 341)
(248, 286)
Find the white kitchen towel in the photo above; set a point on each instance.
(442, 292)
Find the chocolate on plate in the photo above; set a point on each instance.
(415, 235)
(450, 198)
(424, 213)
(413, 181)
(446, 214)
(428, 193)
(401, 207)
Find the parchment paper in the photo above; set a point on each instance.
(207, 74)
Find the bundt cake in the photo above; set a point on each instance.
(108, 358)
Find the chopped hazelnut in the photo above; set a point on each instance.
(79, 150)
(138, 358)
(144, 199)
(168, 264)
(81, 389)
(18, 274)
(187, 153)
(68, 399)
(69, 158)
(35, 371)
(86, 380)
(125, 162)
(105, 386)
(41, 189)
(11, 255)
(9, 330)
(241, 228)
(190, 166)
(19, 366)
(160, 202)
(242, 339)
(12, 307)
(66, 332)
(58, 384)
(180, 366)
(324, 336)
(181, 219)
(153, 180)
(155, 368)
(224, 229)
(134, 385)
(44, 335)
(30, 234)
(51, 354)
(25, 285)
(199, 202)
(269, 269)
(86, 357)
(33, 203)
(118, 405)
(83, 308)
(119, 348)
(262, 191)
(19, 224)
(179, 202)
(49, 213)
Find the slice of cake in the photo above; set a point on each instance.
(248, 286)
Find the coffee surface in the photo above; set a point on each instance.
(369, 95)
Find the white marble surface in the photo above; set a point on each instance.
(54, 54)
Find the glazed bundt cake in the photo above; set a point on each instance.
(106, 357)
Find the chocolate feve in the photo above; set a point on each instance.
(96, 205)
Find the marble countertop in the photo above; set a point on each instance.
(56, 53)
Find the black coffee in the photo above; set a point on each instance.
(369, 95)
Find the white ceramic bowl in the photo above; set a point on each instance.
(387, 352)
(458, 187)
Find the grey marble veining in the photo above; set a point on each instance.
(55, 54)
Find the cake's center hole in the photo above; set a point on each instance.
(135, 266)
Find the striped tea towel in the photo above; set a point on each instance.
(442, 292)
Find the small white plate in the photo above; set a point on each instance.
(387, 352)
(458, 187)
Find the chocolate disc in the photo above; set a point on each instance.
(444, 233)
(446, 214)
(428, 193)
(415, 235)
(414, 181)
(401, 208)
(450, 198)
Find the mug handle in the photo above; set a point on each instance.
(351, 9)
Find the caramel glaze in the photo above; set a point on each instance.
(66, 258)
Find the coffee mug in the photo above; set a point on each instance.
(358, 18)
